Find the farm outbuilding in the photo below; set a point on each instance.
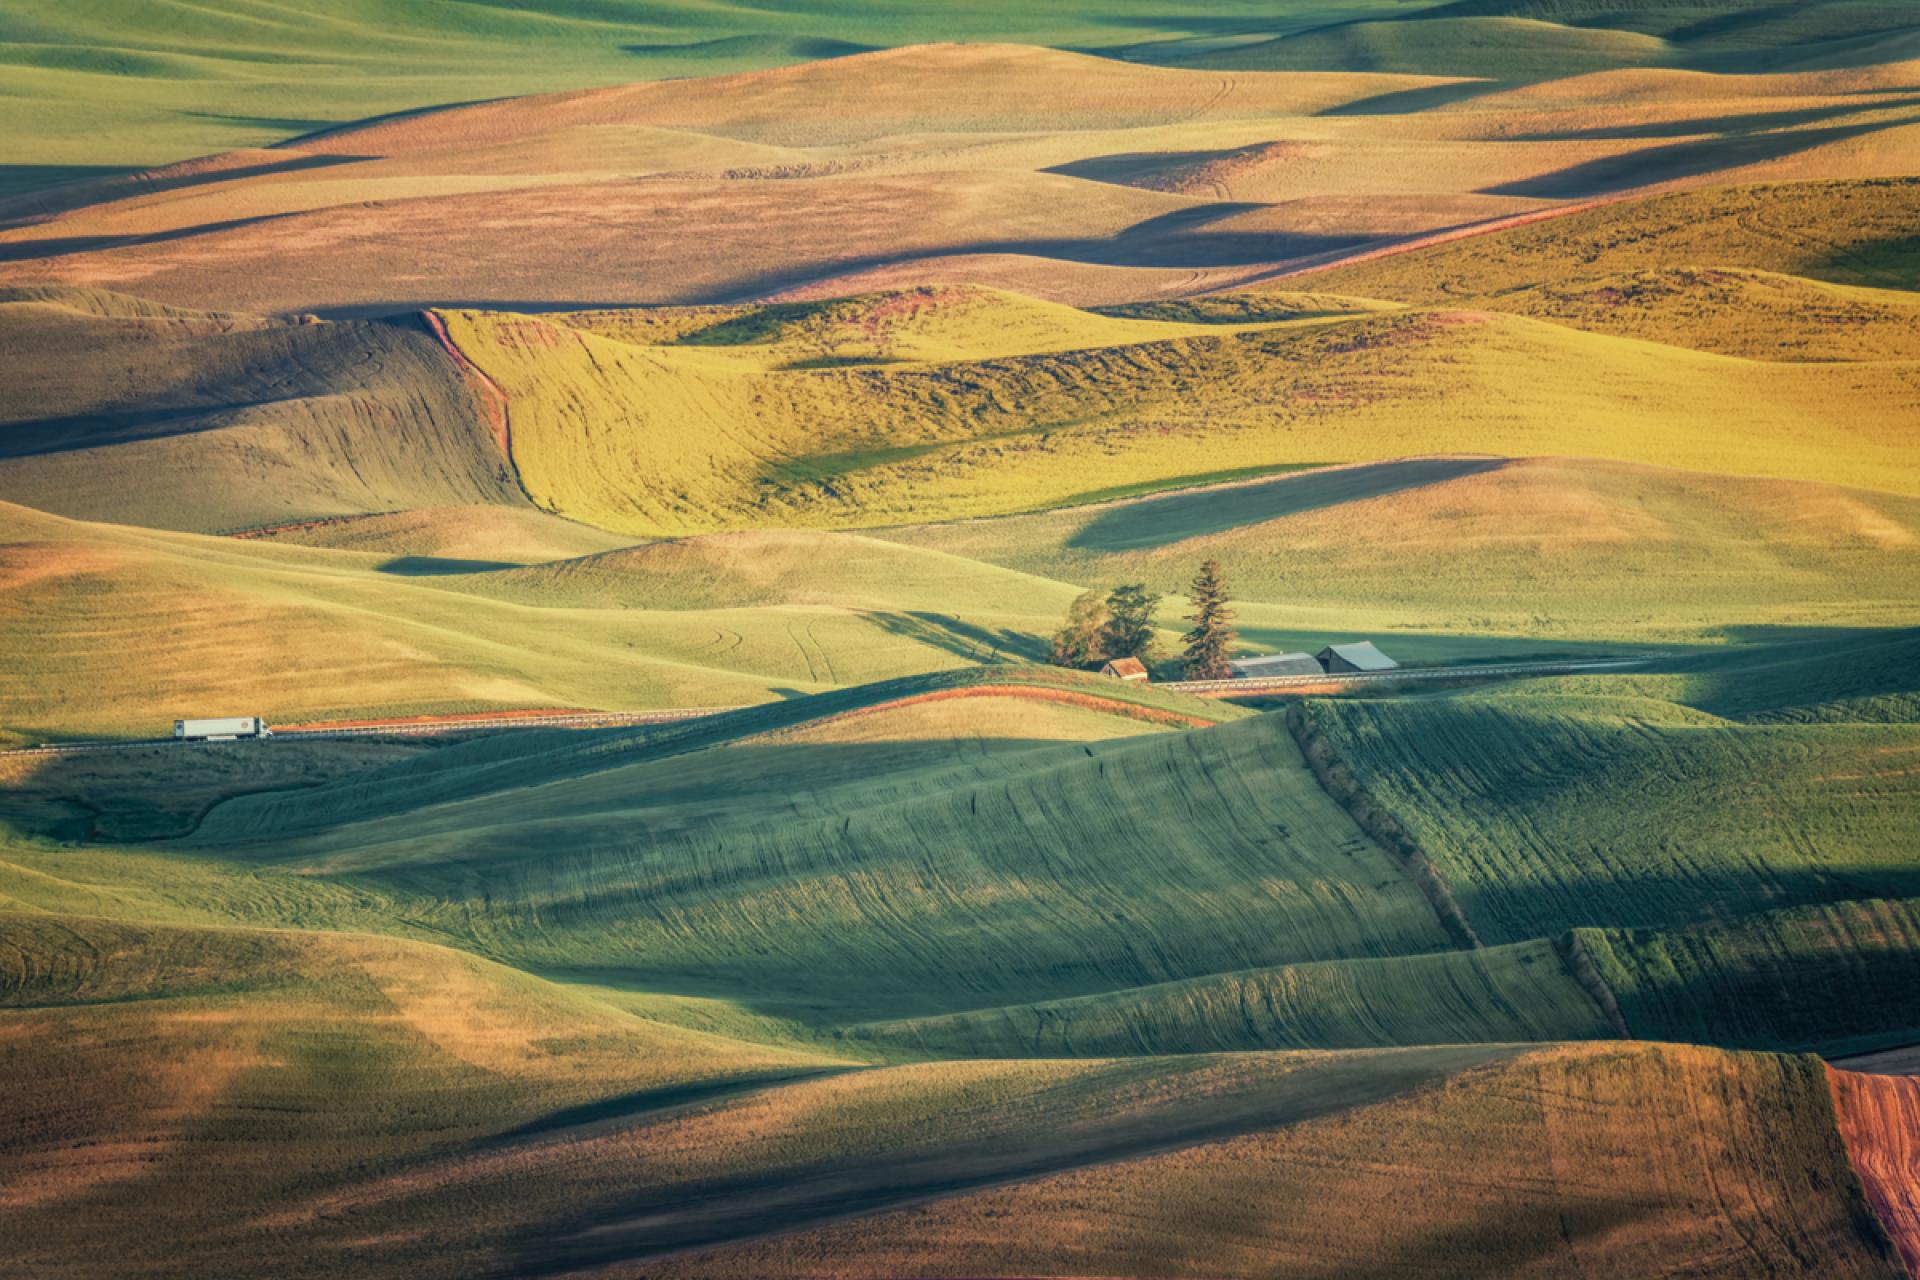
(1361, 656)
(1125, 669)
(1267, 666)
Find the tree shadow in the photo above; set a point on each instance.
(960, 638)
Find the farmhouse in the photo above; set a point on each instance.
(1339, 659)
(1267, 666)
(1125, 669)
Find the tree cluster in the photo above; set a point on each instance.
(1101, 626)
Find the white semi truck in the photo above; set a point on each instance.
(222, 730)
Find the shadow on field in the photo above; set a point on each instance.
(88, 188)
(1693, 127)
(1808, 674)
(99, 430)
(59, 246)
(19, 184)
(440, 566)
(962, 639)
(1179, 240)
(729, 1211)
(807, 48)
(1678, 160)
(647, 1104)
(1403, 102)
(1159, 522)
(1893, 263)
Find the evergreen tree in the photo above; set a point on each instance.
(1129, 631)
(1080, 640)
(1212, 637)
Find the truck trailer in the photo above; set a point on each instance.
(225, 729)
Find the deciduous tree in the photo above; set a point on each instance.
(1080, 641)
(1129, 631)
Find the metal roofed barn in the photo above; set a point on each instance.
(1340, 659)
(1267, 666)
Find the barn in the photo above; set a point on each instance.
(1125, 669)
(1267, 666)
(1358, 657)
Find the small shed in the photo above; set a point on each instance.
(1267, 666)
(1360, 656)
(1125, 669)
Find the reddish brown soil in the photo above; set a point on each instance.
(491, 395)
(459, 717)
(1085, 701)
(1880, 1123)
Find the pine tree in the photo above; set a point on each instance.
(1079, 641)
(1213, 636)
(1129, 631)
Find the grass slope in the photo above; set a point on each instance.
(1541, 547)
(1167, 857)
(118, 408)
(1855, 233)
(446, 539)
(1838, 978)
(1514, 799)
(650, 439)
(299, 633)
(1515, 993)
(1613, 1159)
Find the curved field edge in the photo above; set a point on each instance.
(1614, 1159)
(518, 760)
(1879, 1120)
(1518, 993)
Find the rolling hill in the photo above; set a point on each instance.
(792, 370)
(1088, 180)
(686, 439)
(118, 408)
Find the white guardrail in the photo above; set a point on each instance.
(589, 719)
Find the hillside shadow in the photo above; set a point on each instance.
(1771, 673)
(440, 566)
(1676, 161)
(26, 184)
(649, 1103)
(59, 246)
(1465, 649)
(1157, 522)
(1125, 168)
(100, 430)
(1750, 122)
(1893, 262)
(960, 638)
(1178, 240)
(806, 48)
(106, 184)
(630, 1225)
(1402, 102)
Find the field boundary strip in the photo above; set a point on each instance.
(556, 718)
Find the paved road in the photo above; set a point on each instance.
(596, 719)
